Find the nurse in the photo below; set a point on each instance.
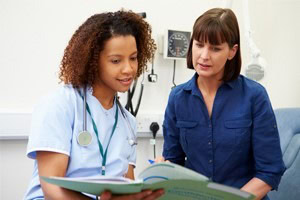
(81, 129)
(220, 123)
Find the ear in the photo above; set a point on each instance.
(233, 51)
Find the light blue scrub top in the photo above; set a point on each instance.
(56, 122)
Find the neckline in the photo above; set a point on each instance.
(94, 99)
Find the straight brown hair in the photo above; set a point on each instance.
(217, 26)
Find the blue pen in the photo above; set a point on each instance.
(151, 161)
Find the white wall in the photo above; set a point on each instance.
(34, 33)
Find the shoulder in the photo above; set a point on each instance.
(61, 98)
(180, 89)
(255, 92)
(184, 92)
(251, 86)
(52, 121)
(60, 94)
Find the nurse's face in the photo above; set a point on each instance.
(118, 63)
(209, 60)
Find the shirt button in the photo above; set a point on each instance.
(210, 161)
(209, 125)
(275, 126)
(209, 143)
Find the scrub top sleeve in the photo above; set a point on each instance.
(265, 140)
(172, 149)
(51, 125)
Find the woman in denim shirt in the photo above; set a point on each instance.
(220, 123)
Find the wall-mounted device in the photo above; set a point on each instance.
(176, 44)
(255, 70)
(142, 14)
(152, 77)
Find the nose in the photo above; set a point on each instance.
(128, 67)
(205, 54)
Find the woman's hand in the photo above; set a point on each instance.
(144, 195)
(160, 159)
(257, 187)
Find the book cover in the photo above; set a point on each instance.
(177, 181)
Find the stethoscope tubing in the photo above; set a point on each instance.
(127, 122)
(84, 110)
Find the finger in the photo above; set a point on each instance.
(141, 195)
(155, 194)
(106, 195)
(159, 159)
(136, 196)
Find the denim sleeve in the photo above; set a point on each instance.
(172, 149)
(265, 141)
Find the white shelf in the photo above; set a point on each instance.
(13, 137)
(16, 125)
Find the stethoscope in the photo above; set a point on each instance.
(84, 138)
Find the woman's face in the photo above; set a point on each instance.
(118, 63)
(209, 60)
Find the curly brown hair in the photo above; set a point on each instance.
(79, 65)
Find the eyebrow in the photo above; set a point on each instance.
(119, 55)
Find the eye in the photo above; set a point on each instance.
(199, 44)
(115, 61)
(133, 58)
(214, 48)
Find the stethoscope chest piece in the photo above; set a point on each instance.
(84, 138)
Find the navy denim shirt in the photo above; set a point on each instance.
(240, 140)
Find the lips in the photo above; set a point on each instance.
(203, 66)
(125, 81)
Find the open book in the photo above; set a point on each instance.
(177, 181)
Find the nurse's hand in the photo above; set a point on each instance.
(144, 195)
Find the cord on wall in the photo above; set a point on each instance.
(154, 127)
(173, 80)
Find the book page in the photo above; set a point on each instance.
(96, 185)
(182, 183)
(97, 179)
(195, 190)
(168, 171)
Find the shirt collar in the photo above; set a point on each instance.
(192, 84)
(232, 84)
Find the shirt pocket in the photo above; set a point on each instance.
(241, 129)
(186, 124)
(187, 132)
(86, 157)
